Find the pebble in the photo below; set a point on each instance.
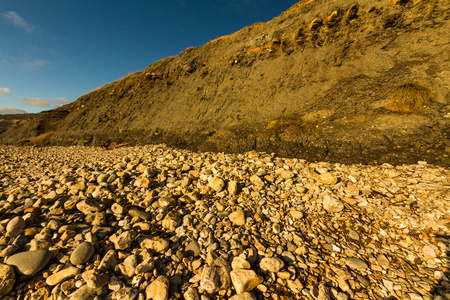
(237, 217)
(332, 204)
(271, 264)
(327, 178)
(62, 275)
(158, 289)
(218, 226)
(134, 212)
(16, 224)
(82, 253)
(193, 249)
(356, 263)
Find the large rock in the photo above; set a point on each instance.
(30, 262)
(244, 280)
(7, 279)
(158, 289)
(216, 277)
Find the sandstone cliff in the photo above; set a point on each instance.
(348, 81)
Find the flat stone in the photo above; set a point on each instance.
(237, 217)
(296, 214)
(16, 224)
(134, 212)
(7, 279)
(271, 264)
(166, 201)
(414, 296)
(82, 253)
(244, 280)
(30, 262)
(158, 289)
(356, 263)
(62, 275)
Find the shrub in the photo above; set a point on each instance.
(409, 97)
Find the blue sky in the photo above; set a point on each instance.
(53, 51)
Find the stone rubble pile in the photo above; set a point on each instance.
(157, 223)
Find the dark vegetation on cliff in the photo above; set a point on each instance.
(351, 81)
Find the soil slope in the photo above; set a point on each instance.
(325, 81)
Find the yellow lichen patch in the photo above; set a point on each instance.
(254, 50)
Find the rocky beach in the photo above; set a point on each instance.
(154, 222)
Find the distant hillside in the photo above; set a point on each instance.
(346, 81)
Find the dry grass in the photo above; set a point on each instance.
(409, 97)
(243, 30)
(40, 140)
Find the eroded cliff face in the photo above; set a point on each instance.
(317, 82)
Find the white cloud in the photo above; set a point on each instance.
(44, 102)
(10, 110)
(4, 91)
(38, 102)
(35, 64)
(60, 101)
(18, 21)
